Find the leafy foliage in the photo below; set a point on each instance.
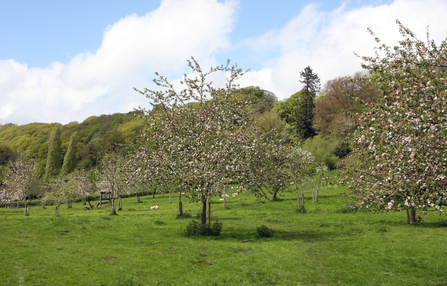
(339, 100)
(70, 157)
(323, 149)
(264, 231)
(54, 158)
(7, 154)
(289, 110)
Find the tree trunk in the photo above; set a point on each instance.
(209, 212)
(68, 204)
(43, 204)
(56, 212)
(298, 200)
(180, 207)
(274, 194)
(203, 210)
(153, 194)
(411, 215)
(225, 199)
(112, 206)
(302, 196)
(120, 205)
(83, 201)
(26, 210)
(138, 198)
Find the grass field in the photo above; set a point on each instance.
(328, 245)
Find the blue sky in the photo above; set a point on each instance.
(62, 61)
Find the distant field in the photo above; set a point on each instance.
(325, 246)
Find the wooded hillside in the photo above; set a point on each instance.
(96, 135)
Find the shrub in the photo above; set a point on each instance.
(264, 231)
(194, 228)
(216, 229)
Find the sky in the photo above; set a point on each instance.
(63, 61)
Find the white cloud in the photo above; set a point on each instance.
(133, 48)
(131, 51)
(7, 110)
(326, 41)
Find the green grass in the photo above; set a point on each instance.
(325, 246)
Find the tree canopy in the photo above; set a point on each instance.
(399, 144)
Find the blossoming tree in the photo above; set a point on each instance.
(5, 194)
(19, 177)
(399, 145)
(84, 186)
(274, 166)
(197, 133)
(63, 189)
(113, 179)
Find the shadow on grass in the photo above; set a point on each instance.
(12, 211)
(306, 236)
(228, 218)
(438, 224)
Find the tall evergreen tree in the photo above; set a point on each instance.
(70, 157)
(54, 158)
(310, 89)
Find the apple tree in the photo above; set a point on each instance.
(399, 146)
(198, 133)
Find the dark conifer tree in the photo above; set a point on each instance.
(70, 157)
(54, 158)
(311, 87)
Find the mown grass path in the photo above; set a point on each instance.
(325, 246)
